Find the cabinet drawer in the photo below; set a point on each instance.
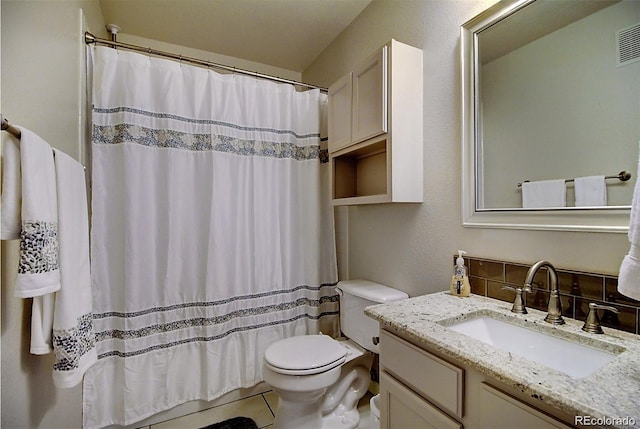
(428, 375)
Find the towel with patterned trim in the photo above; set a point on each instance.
(73, 335)
(38, 271)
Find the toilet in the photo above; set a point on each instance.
(319, 380)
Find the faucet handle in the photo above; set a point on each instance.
(518, 303)
(524, 288)
(592, 322)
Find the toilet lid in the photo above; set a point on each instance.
(305, 355)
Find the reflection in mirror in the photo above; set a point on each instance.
(552, 100)
(559, 106)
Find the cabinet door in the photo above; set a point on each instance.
(428, 375)
(402, 408)
(369, 111)
(500, 410)
(340, 113)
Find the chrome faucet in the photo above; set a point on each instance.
(554, 309)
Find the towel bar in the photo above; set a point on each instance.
(623, 176)
(6, 126)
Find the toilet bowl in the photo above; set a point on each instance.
(320, 384)
(319, 380)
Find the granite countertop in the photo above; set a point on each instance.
(611, 392)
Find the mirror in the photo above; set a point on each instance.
(548, 94)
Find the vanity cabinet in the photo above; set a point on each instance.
(421, 390)
(375, 129)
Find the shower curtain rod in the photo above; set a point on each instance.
(6, 126)
(90, 38)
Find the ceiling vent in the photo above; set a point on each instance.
(628, 45)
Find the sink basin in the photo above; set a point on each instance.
(576, 360)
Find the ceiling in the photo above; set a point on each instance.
(289, 34)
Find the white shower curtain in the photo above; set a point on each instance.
(212, 231)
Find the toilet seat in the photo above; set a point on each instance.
(305, 355)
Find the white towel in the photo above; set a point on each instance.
(544, 193)
(591, 191)
(73, 335)
(629, 278)
(38, 271)
(10, 199)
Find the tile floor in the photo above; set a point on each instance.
(260, 408)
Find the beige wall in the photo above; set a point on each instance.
(41, 74)
(410, 247)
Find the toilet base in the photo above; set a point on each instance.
(340, 404)
(299, 410)
(333, 407)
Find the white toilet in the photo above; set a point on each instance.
(320, 380)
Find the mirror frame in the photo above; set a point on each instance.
(612, 220)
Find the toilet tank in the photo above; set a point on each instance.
(355, 295)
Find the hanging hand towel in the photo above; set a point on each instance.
(591, 191)
(10, 204)
(545, 193)
(38, 271)
(73, 334)
(629, 278)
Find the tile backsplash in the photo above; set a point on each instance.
(577, 290)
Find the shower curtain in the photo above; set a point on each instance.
(212, 231)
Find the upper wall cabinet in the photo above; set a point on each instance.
(358, 103)
(375, 129)
(340, 113)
